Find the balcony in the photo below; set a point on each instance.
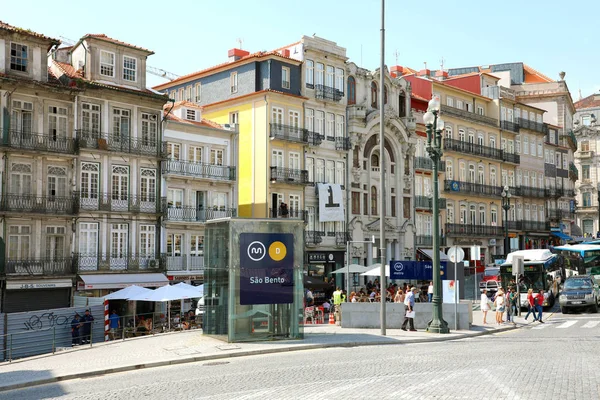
(425, 163)
(315, 138)
(584, 154)
(342, 144)
(51, 205)
(198, 170)
(569, 193)
(57, 266)
(328, 93)
(357, 112)
(18, 139)
(467, 115)
(511, 157)
(123, 203)
(314, 238)
(291, 213)
(289, 175)
(121, 262)
(121, 144)
(509, 126)
(473, 149)
(573, 172)
(529, 226)
(528, 191)
(571, 139)
(476, 189)
(555, 214)
(288, 133)
(426, 203)
(341, 238)
(185, 263)
(473, 231)
(554, 192)
(427, 240)
(195, 214)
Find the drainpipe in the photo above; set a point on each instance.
(266, 156)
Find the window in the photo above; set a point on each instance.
(173, 151)
(320, 172)
(277, 158)
(481, 215)
(57, 182)
(57, 123)
(119, 234)
(234, 117)
(374, 200)
(462, 171)
(310, 73)
(90, 173)
(585, 172)
(174, 198)
(180, 96)
(468, 107)
(147, 241)
(518, 144)
(373, 94)
(525, 145)
(459, 104)
(174, 245)
(120, 182)
(129, 68)
(493, 177)
(195, 154)
(480, 175)
(471, 173)
(309, 120)
(339, 79)
(585, 145)
(450, 213)
(22, 117)
(310, 167)
(233, 80)
(461, 135)
(355, 203)
(509, 114)
(107, 63)
(219, 201)
(277, 116)
(90, 119)
(351, 90)
(320, 128)
(20, 179)
(472, 215)
(448, 132)
(285, 77)
(320, 78)
(88, 240)
(198, 92)
(449, 170)
(330, 76)
(121, 124)
(294, 161)
(330, 171)
(330, 125)
(19, 240)
(197, 246)
(18, 57)
(188, 93)
(294, 119)
(532, 151)
(173, 95)
(216, 157)
(449, 101)
(585, 119)
(480, 110)
(492, 140)
(55, 242)
(149, 129)
(340, 173)
(340, 126)
(148, 185)
(564, 162)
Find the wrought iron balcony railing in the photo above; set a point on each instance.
(289, 175)
(288, 132)
(427, 164)
(571, 139)
(197, 214)
(523, 123)
(511, 157)
(473, 148)
(427, 240)
(25, 140)
(315, 138)
(292, 213)
(342, 143)
(314, 237)
(198, 170)
(51, 266)
(185, 262)
(556, 214)
(569, 193)
(122, 202)
(122, 261)
(28, 203)
(526, 225)
(509, 126)
(328, 93)
(472, 188)
(341, 238)
(554, 192)
(474, 230)
(573, 171)
(424, 202)
(528, 191)
(467, 115)
(121, 143)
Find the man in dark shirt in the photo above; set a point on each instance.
(86, 328)
(75, 325)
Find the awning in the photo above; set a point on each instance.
(429, 253)
(561, 235)
(117, 281)
(38, 284)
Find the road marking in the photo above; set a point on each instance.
(543, 326)
(566, 325)
(591, 324)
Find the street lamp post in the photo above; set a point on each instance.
(506, 207)
(434, 127)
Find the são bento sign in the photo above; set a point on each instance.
(266, 268)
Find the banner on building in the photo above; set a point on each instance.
(331, 202)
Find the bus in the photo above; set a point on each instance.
(583, 258)
(542, 270)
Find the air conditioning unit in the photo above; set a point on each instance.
(230, 127)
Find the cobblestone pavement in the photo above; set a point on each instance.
(554, 362)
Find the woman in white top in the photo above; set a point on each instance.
(500, 306)
(485, 305)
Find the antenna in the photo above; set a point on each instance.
(425, 62)
(240, 42)
(442, 63)
(396, 54)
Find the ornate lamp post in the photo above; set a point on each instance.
(506, 207)
(435, 126)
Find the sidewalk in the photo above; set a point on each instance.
(191, 346)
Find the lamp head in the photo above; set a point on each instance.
(428, 118)
(440, 125)
(434, 104)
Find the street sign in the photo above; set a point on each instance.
(518, 263)
(455, 254)
(475, 253)
(420, 270)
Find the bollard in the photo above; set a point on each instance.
(53, 339)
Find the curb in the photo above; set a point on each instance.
(318, 346)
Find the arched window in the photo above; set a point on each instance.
(373, 95)
(373, 200)
(385, 95)
(351, 90)
(375, 161)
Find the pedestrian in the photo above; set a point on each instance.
(399, 297)
(539, 305)
(337, 305)
(86, 328)
(531, 306)
(500, 306)
(75, 325)
(509, 299)
(310, 299)
(430, 292)
(115, 324)
(409, 304)
(485, 305)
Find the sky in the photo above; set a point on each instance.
(188, 36)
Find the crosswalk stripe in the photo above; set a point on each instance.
(591, 324)
(541, 326)
(566, 324)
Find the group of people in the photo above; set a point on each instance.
(508, 302)
(81, 328)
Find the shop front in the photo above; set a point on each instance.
(319, 278)
(31, 295)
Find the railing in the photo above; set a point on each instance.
(571, 139)
(185, 263)
(470, 116)
(511, 157)
(573, 172)
(342, 143)
(121, 262)
(199, 170)
(292, 213)
(39, 142)
(116, 202)
(328, 93)
(473, 230)
(315, 138)
(473, 188)
(424, 202)
(341, 238)
(569, 193)
(560, 214)
(289, 175)
(51, 266)
(528, 191)
(427, 240)
(525, 225)
(550, 170)
(554, 192)
(509, 126)
(29, 203)
(314, 237)
(121, 143)
(473, 148)
(427, 164)
(289, 132)
(523, 123)
(197, 214)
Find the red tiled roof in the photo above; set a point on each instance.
(416, 96)
(68, 69)
(592, 101)
(204, 122)
(183, 103)
(533, 76)
(102, 36)
(5, 26)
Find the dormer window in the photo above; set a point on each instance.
(129, 68)
(190, 114)
(18, 57)
(107, 63)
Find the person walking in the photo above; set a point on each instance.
(430, 292)
(484, 305)
(399, 297)
(409, 304)
(337, 304)
(75, 325)
(86, 328)
(509, 300)
(531, 306)
(115, 324)
(539, 305)
(500, 304)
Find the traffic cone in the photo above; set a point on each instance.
(331, 319)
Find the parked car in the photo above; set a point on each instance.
(580, 291)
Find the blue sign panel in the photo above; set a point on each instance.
(266, 268)
(420, 270)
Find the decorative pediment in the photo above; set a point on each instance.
(374, 226)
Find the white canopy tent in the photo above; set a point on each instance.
(375, 270)
(193, 289)
(354, 269)
(126, 293)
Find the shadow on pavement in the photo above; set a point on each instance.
(24, 376)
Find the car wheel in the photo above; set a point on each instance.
(564, 310)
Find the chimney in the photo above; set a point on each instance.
(441, 75)
(285, 52)
(236, 54)
(396, 71)
(424, 72)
